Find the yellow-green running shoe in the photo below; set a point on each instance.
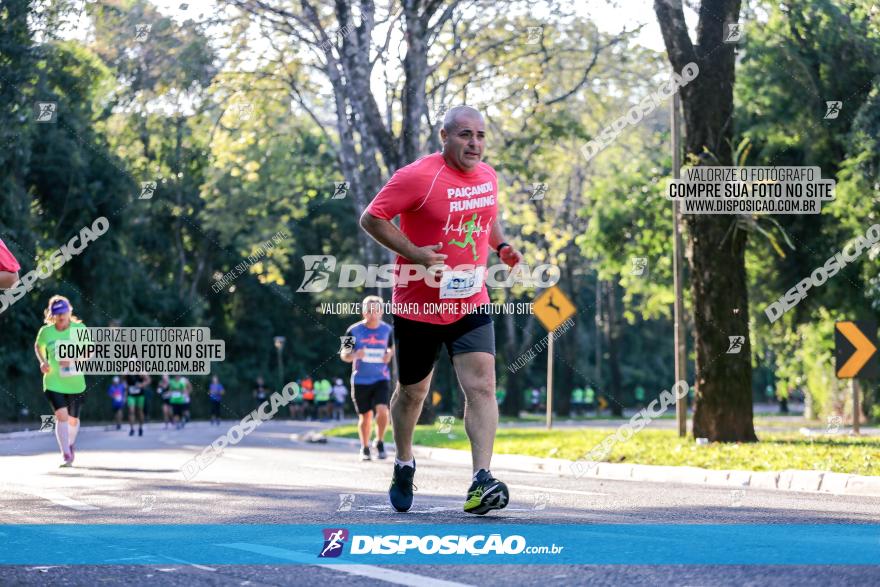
(486, 493)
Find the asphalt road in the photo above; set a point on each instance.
(274, 477)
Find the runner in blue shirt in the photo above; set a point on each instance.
(372, 351)
(116, 391)
(215, 394)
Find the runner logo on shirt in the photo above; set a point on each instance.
(470, 226)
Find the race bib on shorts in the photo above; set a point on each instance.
(461, 284)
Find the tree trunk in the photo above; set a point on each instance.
(723, 409)
(612, 337)
(415, 67)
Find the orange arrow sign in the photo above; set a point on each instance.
(865, 349)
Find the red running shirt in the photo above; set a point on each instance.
(439, 204)
(7, 261)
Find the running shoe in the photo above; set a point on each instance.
(365, 454)
(131, 432)
(380, 447)
(68, 461)
(486, 493)
(140, 431)
(400, 494)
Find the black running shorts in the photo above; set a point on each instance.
(72, 401)
(366, 396)
(418, 343)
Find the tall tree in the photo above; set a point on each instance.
(716, 255)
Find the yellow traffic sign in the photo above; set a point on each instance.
(856, 346)
(552, 308)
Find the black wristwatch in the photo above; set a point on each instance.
(501, 246)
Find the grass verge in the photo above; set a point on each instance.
(775, 452)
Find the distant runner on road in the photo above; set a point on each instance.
(448, 208)
(178, 399)
(370, 387)
(136, 398)
(215, 394)
(63, 385)
(163, 391)
(116, 391)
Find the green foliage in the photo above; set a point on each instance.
(807, 53)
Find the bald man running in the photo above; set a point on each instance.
(448, 208)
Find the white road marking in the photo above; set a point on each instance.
(127, 558)
(378, 573)
(329, 467)
(552, 490)
(180, 560)
(235, 457)
(56, 498)
(387, 508)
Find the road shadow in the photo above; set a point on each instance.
(121, 470)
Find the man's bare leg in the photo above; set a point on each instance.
(406, 405)
(381, 421)
(476, 374)
(364, 423)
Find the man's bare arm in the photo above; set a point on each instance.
(349, 357)
(496, 237)
(509, 254)
(8, 279)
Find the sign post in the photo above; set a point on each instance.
(854, 390)
(855, 350)
(552, 308)
(678, 332)
(550, 337)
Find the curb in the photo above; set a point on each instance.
(787, 480)
(103, 428)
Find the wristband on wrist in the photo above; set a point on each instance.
(501, 246)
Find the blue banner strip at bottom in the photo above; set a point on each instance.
(630, 544)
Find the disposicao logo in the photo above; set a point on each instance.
(403, 544)
(334, 540)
